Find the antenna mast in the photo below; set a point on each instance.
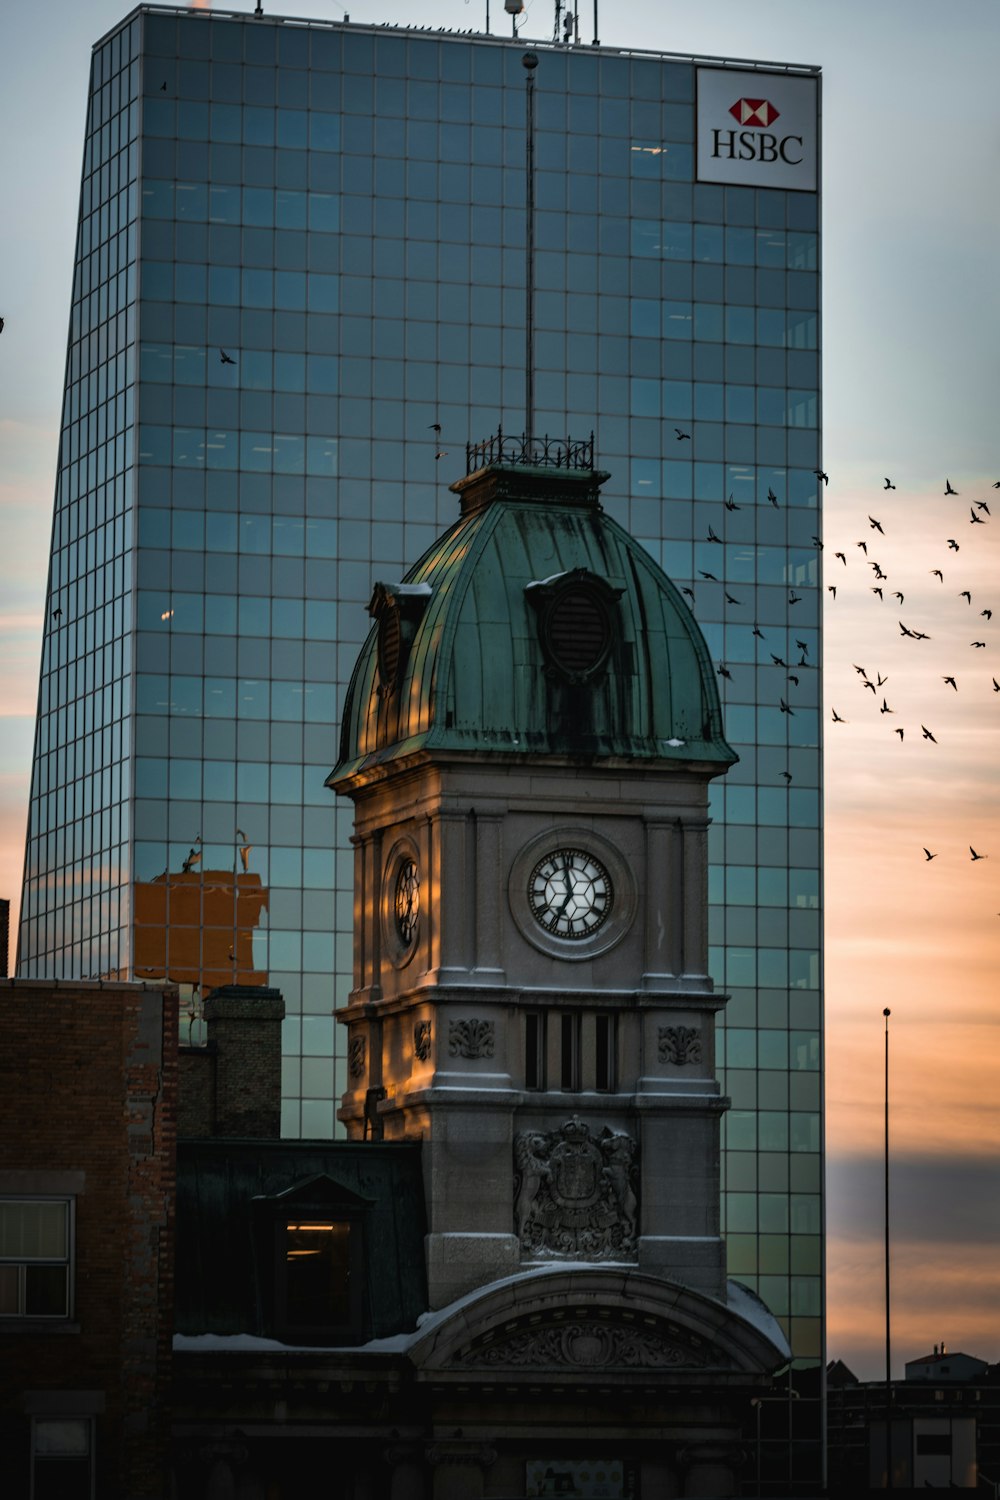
(530, 63)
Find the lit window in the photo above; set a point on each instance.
(35, 1257)
(317, 1273)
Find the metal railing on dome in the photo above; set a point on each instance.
(535, 452)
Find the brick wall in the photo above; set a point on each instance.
(88, 1097)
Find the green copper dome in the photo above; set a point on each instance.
(535, 625)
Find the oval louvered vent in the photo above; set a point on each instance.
(389, 648)
(579, 630)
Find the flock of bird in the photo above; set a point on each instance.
(858, 561)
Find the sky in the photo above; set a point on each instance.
(911, 132)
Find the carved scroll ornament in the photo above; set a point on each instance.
(472, 1038)
(680, 1045)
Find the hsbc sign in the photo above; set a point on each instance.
(774, 140)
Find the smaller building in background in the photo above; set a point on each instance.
(88, 1090)
(944, 1428)
(4, 937)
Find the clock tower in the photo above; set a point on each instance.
(528, 740)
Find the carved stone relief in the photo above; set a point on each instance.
(356, 1056)
(584, 1345)
(472, 1038)
(575, 1194)
(422, 1040)
(680, 1045)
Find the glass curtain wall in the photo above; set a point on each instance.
(76, 903)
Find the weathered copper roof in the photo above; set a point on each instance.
(477, 676)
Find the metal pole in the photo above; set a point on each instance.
(888, 1360)
(596, 33)
(530, 62)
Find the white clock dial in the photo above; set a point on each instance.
(570, 893)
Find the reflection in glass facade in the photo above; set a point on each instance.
(300, 246)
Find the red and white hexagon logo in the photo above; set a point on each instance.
(754, 111)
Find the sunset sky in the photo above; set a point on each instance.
(912, 326)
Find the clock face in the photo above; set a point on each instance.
(406, 902)
(570, 893)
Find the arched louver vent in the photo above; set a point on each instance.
(577, 622)
(398, 608)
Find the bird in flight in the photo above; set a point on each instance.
(929, 854)
(877, 590)
(225, 359)
(987, 612)
(758, 632)
(794, 598)
(952, 544)
(910, 633)
(803, 646)
(831, 588)
(975, 520)
(712, 537)
(880, 680)
(434, 426)
(980, 645)
(885, 709)
(996, 686)
(773, 498)
(870, 686)
(863, 546)
(976, 856)
(710, 576)
(899, 732)
(778, 661)
(936, 573)
(965, 594)
(842, 558)
(785, 709)
(787, 775)
(952, 682)
(889, 485)
(724, 671)
(980, 504)
(731, 600)
(928, 735)
(825, 478)
(731, 504)
(443, 453)
(817, 543)
(898, 595)
(876, 525)
(689, 592)
(836, 717)
(948, 489)
(859, 670)
(681, 435)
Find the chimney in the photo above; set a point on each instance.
(232, 1086)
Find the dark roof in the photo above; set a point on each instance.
(475, 676)
(221, 1185)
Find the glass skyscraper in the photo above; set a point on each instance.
(299, 289)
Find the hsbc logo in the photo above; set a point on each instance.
(756, 145)
(754, 112)
(773, 141)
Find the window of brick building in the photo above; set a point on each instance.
(62, 1458)
(36, 1257)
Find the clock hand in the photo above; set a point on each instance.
(569, 888)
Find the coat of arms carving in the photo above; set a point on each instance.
(576, 1194)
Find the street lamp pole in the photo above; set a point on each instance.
(888, 1347)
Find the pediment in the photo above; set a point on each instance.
(594, 1323)
(319, 1191)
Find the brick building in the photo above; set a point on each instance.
(88, 1092)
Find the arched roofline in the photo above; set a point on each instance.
(593, 1323)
